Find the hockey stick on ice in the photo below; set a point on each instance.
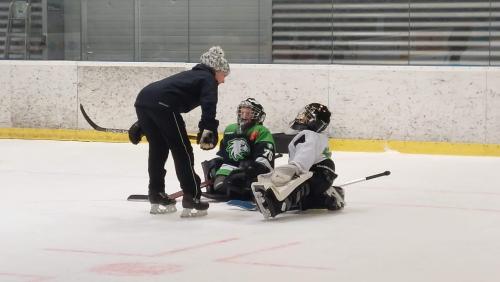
(142, 198)
(385, 173)
(114, 130)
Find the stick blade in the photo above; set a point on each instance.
(138, 198)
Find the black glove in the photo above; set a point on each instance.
(207, 139)
(135, 133)
(238, 184)
(253, 168)
(237, 177)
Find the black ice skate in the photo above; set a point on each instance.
(266, 202)
(193, 207)
(161, 204)
(335, 198)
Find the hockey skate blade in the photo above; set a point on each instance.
(160, 209)
(186, 213)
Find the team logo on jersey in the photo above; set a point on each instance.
(238, 149)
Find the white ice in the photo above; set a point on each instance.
(64, 217)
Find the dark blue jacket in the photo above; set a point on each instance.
(183, 92)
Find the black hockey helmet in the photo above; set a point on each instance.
(314, 116)
(258, 114)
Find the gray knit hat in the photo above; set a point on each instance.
(214, 58)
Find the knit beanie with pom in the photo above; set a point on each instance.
(214, 58)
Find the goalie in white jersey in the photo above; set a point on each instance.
(306, 181)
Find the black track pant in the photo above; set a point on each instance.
(166, 131)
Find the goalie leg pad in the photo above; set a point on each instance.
(209, 169)
(284, 174)
(272, 200)
(282, 192)
(218, 183)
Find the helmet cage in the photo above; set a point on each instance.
(258, 115)
(308, 118)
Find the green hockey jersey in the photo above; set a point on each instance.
(255, 144)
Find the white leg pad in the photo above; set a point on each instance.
(282, 192)
(264, 178)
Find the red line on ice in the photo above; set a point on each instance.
(236, 259)
(174, 251)
(28, 277)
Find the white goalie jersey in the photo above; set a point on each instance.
(308, 148)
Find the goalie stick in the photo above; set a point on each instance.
(385, 173)
(113, 130)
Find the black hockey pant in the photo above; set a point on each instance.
(166, 131)
(323, 177)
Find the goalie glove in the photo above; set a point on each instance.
(207, 139)
(283, 174)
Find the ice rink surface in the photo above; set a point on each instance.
(64, 217)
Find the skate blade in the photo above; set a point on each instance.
(193, 213)
(259, 200)
(160, 209)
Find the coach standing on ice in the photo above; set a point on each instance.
(159, 106)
